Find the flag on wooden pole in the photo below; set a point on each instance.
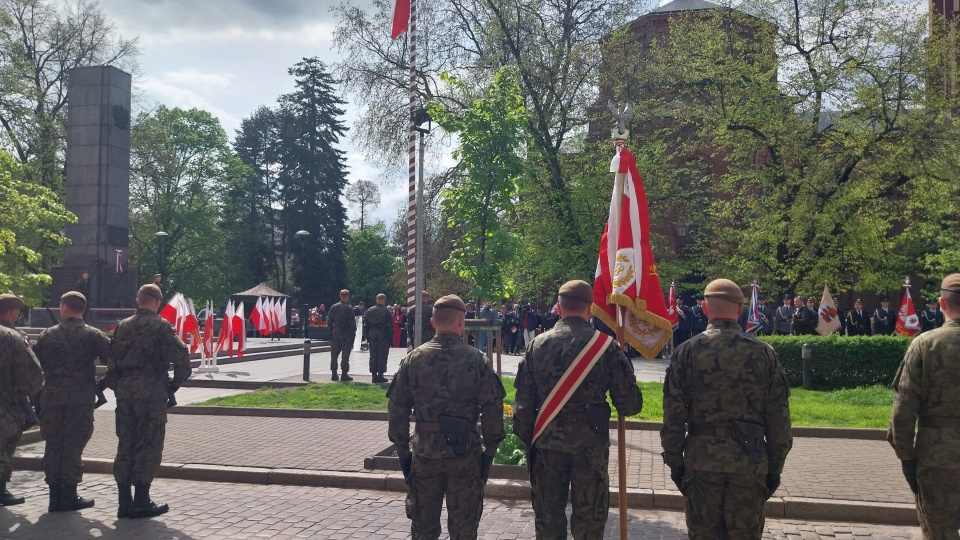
(908, 324)
(828, 321)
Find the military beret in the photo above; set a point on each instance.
(344, 291)
(578, 290)
(724, 289)
(10, 301)
(450, 301)
(74, 294)
(951, 283)
(152, 291)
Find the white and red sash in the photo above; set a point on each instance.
(570, 381)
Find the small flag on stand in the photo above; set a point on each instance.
(672, 307)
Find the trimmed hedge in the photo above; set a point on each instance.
(842, 361)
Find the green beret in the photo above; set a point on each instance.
(74, 294)
(152, 291)
(578, 290)
(450, 301)
(951, 283)
(724, 289)
(10, 301)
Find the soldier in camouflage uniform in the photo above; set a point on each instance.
(68, 353)
(19, 374)
(343, 330)
(569, 461)
(144, 345)
(428, 330)
(927, 389)
(378, 327)
(447, 384)
(726, 422)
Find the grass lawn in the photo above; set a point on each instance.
(860, 407)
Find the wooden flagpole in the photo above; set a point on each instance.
(621, 446)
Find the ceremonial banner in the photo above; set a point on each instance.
(753, 315)
(908, 324)
(626, 272)
(828, 322)
(672, 308)
(401, 17)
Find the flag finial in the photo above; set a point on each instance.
(623, 117)
(906, 281)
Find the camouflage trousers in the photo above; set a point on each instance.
(581, 478)
(379, 350)
(456, 478)
(11, 424)
(722, 506)
(66, 430)
(938, 503)
(141, 428)
(340, 346)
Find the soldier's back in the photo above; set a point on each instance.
(19, 369)
(68, 353)
(939, 397)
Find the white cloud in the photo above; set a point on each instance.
(199, 80)
(164, 92)
(309, 34)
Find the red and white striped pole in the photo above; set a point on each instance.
(413, 285)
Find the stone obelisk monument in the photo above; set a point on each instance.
(98, 188)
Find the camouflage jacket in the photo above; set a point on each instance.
(68, 353)
(342, 321)
(377, 322)
(20, 372)
(428, 330)
(716, 377)
(143, 347)
(927, 386)
(544, 363)
(445, 376)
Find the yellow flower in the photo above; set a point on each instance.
(507, 410)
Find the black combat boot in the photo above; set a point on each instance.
(70, 501)
(143, 507)
(334, 377)
(55, 494)
(346, 378)
(126, 501)
(7, 498)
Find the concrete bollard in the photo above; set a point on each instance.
(306, 359)
(806, 353)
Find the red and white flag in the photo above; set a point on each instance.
(256, 316)
(208, 331)
(171, 312)
(828, 321)
(225, 339)
(401, 17)
(672, 307)
(626, 271)
(908, 324)
(191, 327)
(282, 316)
(238, 329)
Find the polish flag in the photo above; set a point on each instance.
(282, 316)
(208, 331)
(191, 327)
(269, 315)
(225, 339)
(908, 324)
(171, 311)
(238, 329)
(672, 307)
(401, 17)
(256, 316)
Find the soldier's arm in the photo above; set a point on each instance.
(352, 322)
(675, 414)
(906, 402)
(490, 400)
(624, 392)
(399, 409)
(27, 374)
(525, 402)
(176, 352)
(101, 344)
(777, 415)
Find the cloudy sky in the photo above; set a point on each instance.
(231, 56)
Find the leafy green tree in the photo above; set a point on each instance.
(312, 179)
(371, 266)
(31, 222)
(492, 140)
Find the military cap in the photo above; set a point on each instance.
(344, 291)
(724, 289)
(857, 301)
(10, 301)
(450, 301)
(951, 283)
(884, 298)
(424, 293)
(578, 290)
(74, 294)
(932, 301)
(787, 296)
(152, 291)
(761, 297)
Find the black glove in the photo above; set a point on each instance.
(405, 464)
(171, 394)
(676, 474)
(485, 463)
(910, 473)
(773, 482)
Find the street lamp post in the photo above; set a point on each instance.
(162, 244)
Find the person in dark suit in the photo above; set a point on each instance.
(698, 322)
(804, 319)
(858, 321)
(684, 318)
(931, 318)
(884, 318)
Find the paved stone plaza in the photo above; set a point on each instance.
(219, 511)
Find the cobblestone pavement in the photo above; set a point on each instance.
(220, 511)
(858, 470)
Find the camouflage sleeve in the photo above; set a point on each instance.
(674, 430)
(624, 392)
(366, 324)
(40, 348)
(525, 402)
(175, 351)
(906, 402)
(101, 345)
(777, 416)
(490, 400)
(27, 375)
(352, 323)
(399, 409)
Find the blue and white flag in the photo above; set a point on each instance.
(753, 316)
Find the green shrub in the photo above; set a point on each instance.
(842, 361)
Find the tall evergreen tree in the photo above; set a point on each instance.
(312, 179)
